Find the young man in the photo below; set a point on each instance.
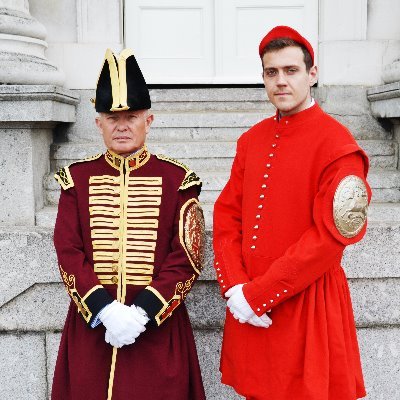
(129, 238)
(297, 195)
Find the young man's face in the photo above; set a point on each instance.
(287, 81)
(124, 131)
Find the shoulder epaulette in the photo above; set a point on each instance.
(190, 178)
(63, 175)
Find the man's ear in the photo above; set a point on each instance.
(97, 120)
(313, 74)
(149, 121)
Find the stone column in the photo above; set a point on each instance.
(22, 46)
(31, 105)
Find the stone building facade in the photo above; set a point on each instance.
(49, 57)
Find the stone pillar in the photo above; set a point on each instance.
(22, 46)
(31, 105)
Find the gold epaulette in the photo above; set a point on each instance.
(190, 178)
(63, 176)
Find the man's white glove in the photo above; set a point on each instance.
(238, 305)
(241, 310)
(123, 323)
(262, 322)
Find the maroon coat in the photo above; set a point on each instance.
(129, 229)
(296, 197)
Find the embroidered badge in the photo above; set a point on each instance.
(192, 233)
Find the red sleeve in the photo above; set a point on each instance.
(227, 231)
(339, 214)
(183, 264)
(77, 273)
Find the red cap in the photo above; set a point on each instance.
(285, 32)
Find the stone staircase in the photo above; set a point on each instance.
(200, 127)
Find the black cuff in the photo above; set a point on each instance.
(150, 303)
(96, 301)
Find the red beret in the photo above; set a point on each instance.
(285, 32)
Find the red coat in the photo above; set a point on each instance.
(132, 230)
(296, 197)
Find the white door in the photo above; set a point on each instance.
(209, 41)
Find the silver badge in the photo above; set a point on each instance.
(350, 206)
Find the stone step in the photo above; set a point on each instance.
(385, 186)
(187, 109)
(378, 213)
(30, 251)
(382, 153)
(220, 126)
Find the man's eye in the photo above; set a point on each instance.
(270, 73)
(292, 70)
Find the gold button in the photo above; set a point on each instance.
(264, 186)
(114, 268)
(262, 196)
(258, 216)
(255, 226)
(266, 176)
(114, 279)
(268, 165)
(254, 237)
(260, 206)
(277, 136)
(253, 247)
(274, 145)
(271, 155)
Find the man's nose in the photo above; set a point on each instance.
(281, 79)
(122, 125)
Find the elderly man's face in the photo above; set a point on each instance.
(124, 131)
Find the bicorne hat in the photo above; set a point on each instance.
(121, 85)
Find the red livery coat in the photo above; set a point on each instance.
(280, 226)
(129, 229)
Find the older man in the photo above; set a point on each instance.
(129, 240)
(296, 197)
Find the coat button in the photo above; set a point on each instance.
(277, 136)
(274, 145)
(217, 263)
(255, 226)
(271, 155)
(271, 301)
(264, 186)
(258, 216)
(266, 176)
(253, 247)
(258, 309)
(114, 279)
(285, 291)
(268, 165)
(254, 237)
(264, 305)
(260, 206)
(114, 268)
(220, 275)
(262, 196)
(277, 295)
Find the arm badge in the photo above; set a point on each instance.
(350, 206)
(191, 233)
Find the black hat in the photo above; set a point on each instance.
(121, 85)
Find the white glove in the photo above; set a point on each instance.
(238, 305)
(262, 322)
(124, 323)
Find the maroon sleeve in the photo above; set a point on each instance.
(182, 265)
(339, 215)
(77, 273)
